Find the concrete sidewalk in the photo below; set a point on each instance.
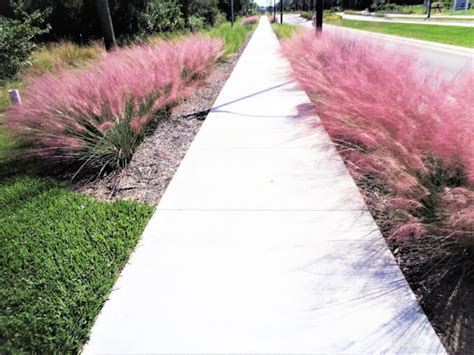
(262, 242)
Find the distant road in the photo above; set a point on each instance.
(451, 60)
(413, 20)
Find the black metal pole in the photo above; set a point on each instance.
(274, 11)
(319, 15)
(106, 23)
(232, 13)
(281, 11)
(429, 9)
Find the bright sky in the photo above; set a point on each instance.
(264, 2)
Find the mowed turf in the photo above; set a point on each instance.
(456, 35)
(60, 255)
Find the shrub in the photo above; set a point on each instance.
(220, 19)
(410, 136)
(308, 15)
(250, 20)
(160, 16)
(96, 116)
(16, 40)
(205, 9)
(196, 23)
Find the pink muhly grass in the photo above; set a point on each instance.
(250, 20)
(406, 137)
(98, 114)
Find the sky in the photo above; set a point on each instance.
(264, 2)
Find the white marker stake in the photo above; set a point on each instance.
(15, 97)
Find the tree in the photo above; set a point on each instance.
(17, 38)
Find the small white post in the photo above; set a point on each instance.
(15, 97)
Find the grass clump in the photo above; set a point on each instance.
(285, 30)
(61, 55)
(233, 36)
(60, 255)
(455, 35)
(250, 20)
(96, 116)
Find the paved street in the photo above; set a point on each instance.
(413, 20)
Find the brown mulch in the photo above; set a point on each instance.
(157, 158)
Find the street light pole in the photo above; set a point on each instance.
(274, 11)
(106, 23)
(319, 15)
(429, 9)
(232, 13)
(281, 11)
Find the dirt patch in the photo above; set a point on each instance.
(157, 158)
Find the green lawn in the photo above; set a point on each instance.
(459, 12)
(457, 35)
(60, 255)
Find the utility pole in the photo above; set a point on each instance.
(319, 15)
(231, 13)
(281, 11)
(106, 23)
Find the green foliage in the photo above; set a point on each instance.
(196, 23)
(16, 39)
(60, 255)
(308, 15)
(6, 144)
(285, 30)
(248, 8)
(206, 9)
(220, 19)
(160, 16)
(331, 17)
(233, 37)
(51, 57)
(115, 147)
(78, 20)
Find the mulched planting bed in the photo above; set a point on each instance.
(157, 158)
